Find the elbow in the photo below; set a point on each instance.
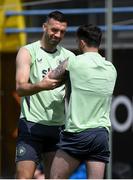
(19, 91)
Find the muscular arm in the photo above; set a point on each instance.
(23, 87)
(61, 74)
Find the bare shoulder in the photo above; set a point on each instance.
(23, 56)
(23, 51)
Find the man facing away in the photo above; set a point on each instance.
(42, 108)
(87, 125)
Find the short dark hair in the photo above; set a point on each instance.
(91, 34)
(57, 15)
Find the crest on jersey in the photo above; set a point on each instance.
(21, 150)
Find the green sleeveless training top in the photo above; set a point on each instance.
(45, 107)
(92, 80)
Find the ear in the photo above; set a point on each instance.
(82, 43)
(44, 26)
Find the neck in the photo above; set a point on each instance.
(48, 47)
(90, 49)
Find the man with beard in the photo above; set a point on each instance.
(42, 110)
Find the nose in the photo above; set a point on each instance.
(58, 34)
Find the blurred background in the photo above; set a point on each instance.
(21, 22)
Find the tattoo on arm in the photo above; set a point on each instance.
(60, 71)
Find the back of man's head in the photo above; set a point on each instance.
(90, 34)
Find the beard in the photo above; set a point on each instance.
(51, 40)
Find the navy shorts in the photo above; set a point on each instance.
(91, 144)
(35, 139)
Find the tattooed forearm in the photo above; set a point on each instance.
(60, 71)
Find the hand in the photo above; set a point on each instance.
(49, 84)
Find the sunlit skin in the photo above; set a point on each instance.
(54, 32)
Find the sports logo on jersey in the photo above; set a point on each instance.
(60, 61)
(20, 151)
(39, 60)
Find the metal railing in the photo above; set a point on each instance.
(76, 11)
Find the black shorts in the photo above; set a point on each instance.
(91, 144)
(35, 139)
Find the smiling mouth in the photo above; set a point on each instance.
(55, 40)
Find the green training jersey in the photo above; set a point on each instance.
(92, 80)
(45, 107)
